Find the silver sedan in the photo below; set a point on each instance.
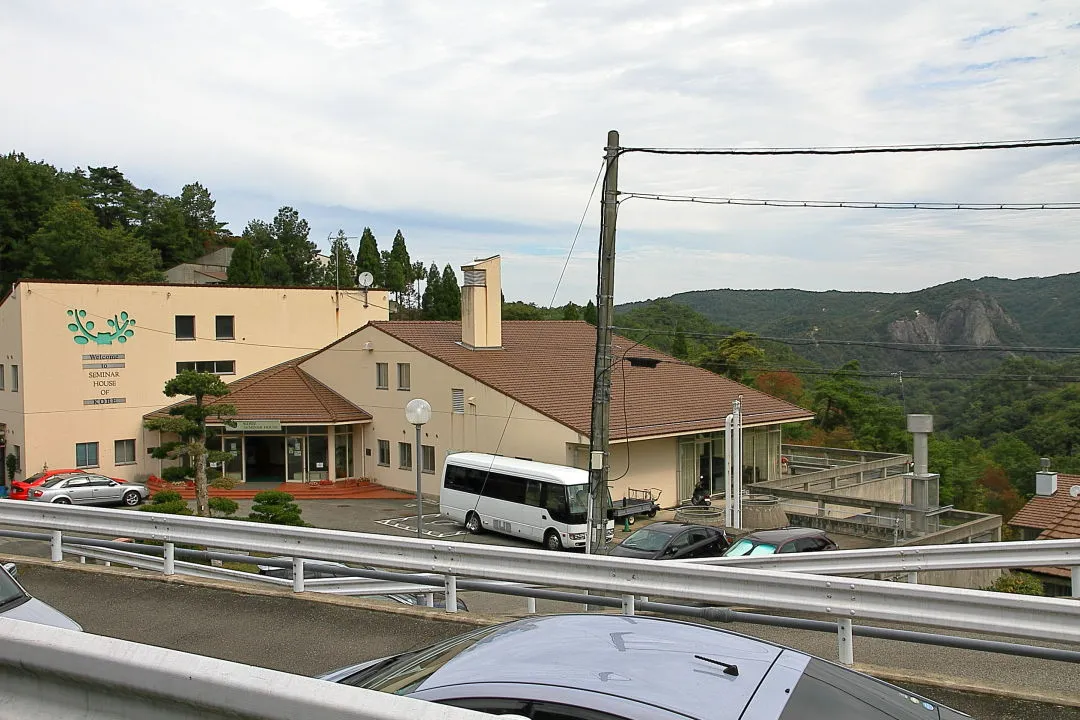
(89, 489)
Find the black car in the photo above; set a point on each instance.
(782, 540)
(673, 541)
(618, 667)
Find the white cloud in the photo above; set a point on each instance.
(478, 127)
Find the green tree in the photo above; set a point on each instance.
(432, 292)
(244, 267)
(273, 506)
(449, 304)
(836, 398)
(116, 202)
(200, 217)
(188, 422)
(290, 233)
(733, 356)
(368, 258)
(165, 230)
(275, 269)
(398, 268)
(589, 313)
(571, 311)
(1018, 460)
(678, 346)
(341, 270)
(70, 245)
(261, 237)
(28, 190)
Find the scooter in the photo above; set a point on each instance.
(701, 495)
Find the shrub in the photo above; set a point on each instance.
(173, 507)
(12, 463)
(225, 506)
(177, 473)
(276, 507)
(1018, 583)
(165, 496)
(224, 483)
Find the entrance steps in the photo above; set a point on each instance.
(339, 490)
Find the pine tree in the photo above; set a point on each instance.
(275, 269)
(448, 306)
(368, 258)
(244, 267)
(589, 313)
(290, 232)
(571, 312)
(398, 269)
(432, 293)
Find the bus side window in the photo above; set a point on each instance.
(532, 493)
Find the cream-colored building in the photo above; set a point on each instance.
(521, 389)
(82, 363)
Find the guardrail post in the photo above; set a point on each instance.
(298, 574)
(56, 546)
(1076, 581)
(627, 604)
(169, 566)
(429, 599)
(530, 605)
(913, 577)
(451, 593)
(844, 637)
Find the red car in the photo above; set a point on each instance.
(20, 489)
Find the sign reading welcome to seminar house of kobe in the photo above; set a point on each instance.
(103, 370)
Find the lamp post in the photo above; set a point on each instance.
(418, 412)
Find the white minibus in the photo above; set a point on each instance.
(531, 500)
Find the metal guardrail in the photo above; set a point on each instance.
(914, 558)
(47, 672)
(1049, 619)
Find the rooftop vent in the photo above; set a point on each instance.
(646, 362)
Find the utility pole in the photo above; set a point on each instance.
(601, 408)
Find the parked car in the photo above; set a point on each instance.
(84, 488)
(315, 573)
(17, 604)
(605, 667)
(673, 541)
(783, 540)
(20, 489)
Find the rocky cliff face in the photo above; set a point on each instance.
(965, 321)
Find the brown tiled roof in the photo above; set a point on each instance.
(287, 393)
(1057, 515)
(1058, 512)
(548, 366)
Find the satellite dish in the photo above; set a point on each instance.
(366, 279)
(1074, 491)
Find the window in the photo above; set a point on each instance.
(404, 451)
(86, 454)
(217, 367)
(382, 376)
(14, 378)
(124, 452)
(457, 400)
(404, 376)
(2, 368)
(223, 326)
(427, 459)
(384, 452)
(185, 327)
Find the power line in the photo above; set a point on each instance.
(861, 150)
(588, 204)
(851, 204)
(882, 344)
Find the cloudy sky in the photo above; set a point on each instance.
(478, 127)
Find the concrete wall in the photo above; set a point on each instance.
(891, 489)
(99, 391)
(11, 402)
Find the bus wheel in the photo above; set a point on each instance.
(472, 523)
(552, 541)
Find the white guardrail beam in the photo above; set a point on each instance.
(1049, 619)
(913, 558)
(47, 672)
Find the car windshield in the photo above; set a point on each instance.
(749, 547)
(647, 540)
(579, 498)
(9, 589)
(404, 673)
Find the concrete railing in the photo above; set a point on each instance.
(1047, 619)
(47, 672)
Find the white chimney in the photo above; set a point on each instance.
(1045, 483)
(481, 305)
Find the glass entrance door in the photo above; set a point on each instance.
(294, 453)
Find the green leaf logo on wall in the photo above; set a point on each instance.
(120, 329)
